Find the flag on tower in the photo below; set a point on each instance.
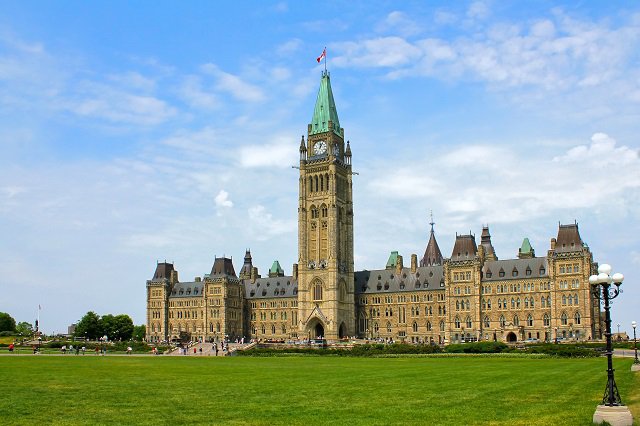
(322, 55)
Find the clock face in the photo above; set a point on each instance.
(320, 147)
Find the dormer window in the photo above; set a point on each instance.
(489, 274)
(542, 271)
(514, 273)
(501, 273)
(528, 271)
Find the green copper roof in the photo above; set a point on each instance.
(393, 259)
(325, 109)
(275, 268)
(526, 246)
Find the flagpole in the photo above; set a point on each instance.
(325, 59)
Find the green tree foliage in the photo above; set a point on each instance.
(139, 332)
(7, 323)
(118, 327)
(89, 326)
(24, 328)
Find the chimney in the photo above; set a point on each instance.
(295, 272)
(174, 277)
(197, 279)
(414, 263)
(399, 264)
(254, 274)
(553, 244)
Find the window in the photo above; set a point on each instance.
(577, 318)
(317, 291)
(428, 325)
(457, 322)
(530, 321)
(415, 327)
(501, 273)
(487, 323)
(441, 325)
(546, 320)
(564, 319)
(468, 321)
(388, 327)
(516, 320)
(502, 321)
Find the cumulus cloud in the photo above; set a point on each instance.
(265, 226)
(505, 185)
(551, 53)
(281, 153)
(222, 199)
(234, 85)
(115, 105)
(400, 23)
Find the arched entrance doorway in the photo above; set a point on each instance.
(342, 333)
(319, 330)
(511, 337)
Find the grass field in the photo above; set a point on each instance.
(306, 390)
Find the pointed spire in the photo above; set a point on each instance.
(526, 251)
(485, 241)
(347, 152)
(325, 111)
(432, 254)
(303, 146)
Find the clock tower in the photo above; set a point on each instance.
(325, 225)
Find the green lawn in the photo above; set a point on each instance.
(306, 390)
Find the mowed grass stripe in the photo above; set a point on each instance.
(306, 390)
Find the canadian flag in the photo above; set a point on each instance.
(322, 55)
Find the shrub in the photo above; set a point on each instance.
(565, 351)
(479, 348)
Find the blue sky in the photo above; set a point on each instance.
(138, 132)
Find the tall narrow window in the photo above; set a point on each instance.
(317, 291)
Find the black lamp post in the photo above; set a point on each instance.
(635, 347)
(602, 289)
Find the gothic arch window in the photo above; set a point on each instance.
(487, 323)
(321, 183)
(310, 184)
(457, 322)
(388, 327)
(326, 181)
(317, 291)
(428, 325)
(273, 329)
(415, 327)
(324, 210)
(441, 325)
(315, 179)
(467, 304)
(516, 320)
(218, 327)
(564, 319)
(546, 321)
(210, 327)
(502, 321)
(577, 318)
(376, 327)
(530, 321)
(468, 321)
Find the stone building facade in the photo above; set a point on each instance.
(470, 295)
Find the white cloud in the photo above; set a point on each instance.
(264, 226)
(399, 23)
(192, 92)
(222, 199)
(378, 52)
(509, 185)
(234, 85)
(118, 106)
(289, 47)
(478, 10)
(281, 153)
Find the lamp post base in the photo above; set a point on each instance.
(615, 416)
(635, 367)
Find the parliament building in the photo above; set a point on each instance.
(470, 295)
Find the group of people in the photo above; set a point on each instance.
(78, 349)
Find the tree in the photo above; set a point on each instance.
(123, 327)
(7, 323)
(139, 332)
(24, 328)
(107, 324)
(89, 326)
